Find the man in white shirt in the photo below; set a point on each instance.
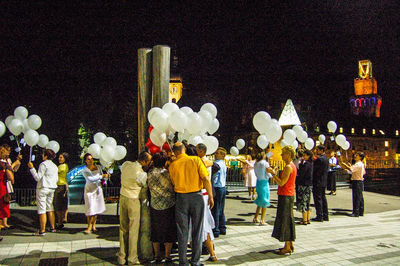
(132, 179)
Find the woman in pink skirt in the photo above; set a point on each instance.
(250, 179)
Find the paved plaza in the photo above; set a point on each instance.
(370, 240)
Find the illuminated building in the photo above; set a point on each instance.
(175, 82)
(365, 100)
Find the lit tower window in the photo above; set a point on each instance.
(386, 153)
(364, 131)
(373, 132)
(341, 130)
(352, 130)
(397, 132)
(386, 143)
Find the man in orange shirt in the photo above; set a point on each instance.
(189, 176)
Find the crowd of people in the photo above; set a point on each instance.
(179, 196)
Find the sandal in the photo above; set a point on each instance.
(282, 251)
(87, 232)
(256, 221)
(38, 233)
(263, 223)
(212, 258)
(302, 223)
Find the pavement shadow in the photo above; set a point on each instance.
(340, 212)
(104, 254)
(37, 257)
(249, 257)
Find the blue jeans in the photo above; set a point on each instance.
(218, 211)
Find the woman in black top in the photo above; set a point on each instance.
(303, 185)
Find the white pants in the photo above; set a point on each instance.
(44, 200)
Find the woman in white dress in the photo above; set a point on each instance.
(94, 199)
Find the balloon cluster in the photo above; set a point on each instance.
(106, 149)
(195, 127)
(21, 123)
(295, 135)
(240, 143)
(269, 129)
(340, 139)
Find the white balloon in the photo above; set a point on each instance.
(152, 111)
(109, 141)
(16, 127)
(274, 133)
(210, 108)
(302, 137)
(21, 112)
(169, 108)
(261, 121)
(53, 145)
(99, 137)
(107, 153)
(289, 136)
(31, 137)
(194, 123)
(194, 140)
(321, 138)
(34, 122)
(43, 140)
(120, 153)
(214, 126)
(309, 144)
(332, 126)
(183, 135)
(346, 145)
(234, 151)
(340, 139)
(295, 144)
(206, 119)
(240, 143)
(262, 141)
(159, 120)
(178, 120)
(94, 149)
(2, 128)
(8, 120)
(284, 143)
(26, 125)
(297, 129)
(212, 144)
(105, 164)
(158, 137)
(187, 110)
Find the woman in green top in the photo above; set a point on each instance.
(61, 194)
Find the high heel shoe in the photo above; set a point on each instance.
(283, 251)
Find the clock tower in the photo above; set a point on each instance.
(366, 100)
(175, 82)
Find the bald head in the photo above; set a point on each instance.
(178, 148)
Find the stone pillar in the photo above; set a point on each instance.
(144, 94)
(161, 72)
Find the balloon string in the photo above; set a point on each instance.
(30, 154)
(19, 148)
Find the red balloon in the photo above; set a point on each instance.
(150, 129)
(154, 149)
(166, 147)
(149, 143)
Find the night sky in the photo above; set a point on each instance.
(78, 63)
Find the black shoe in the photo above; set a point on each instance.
(353, 215)
(362, 214)
(1, 238)
(222, 233)
(59, 226)
(317, 219)
(326, 219)
(168, 260)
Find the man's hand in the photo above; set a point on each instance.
(30, 165)
(210, 202)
